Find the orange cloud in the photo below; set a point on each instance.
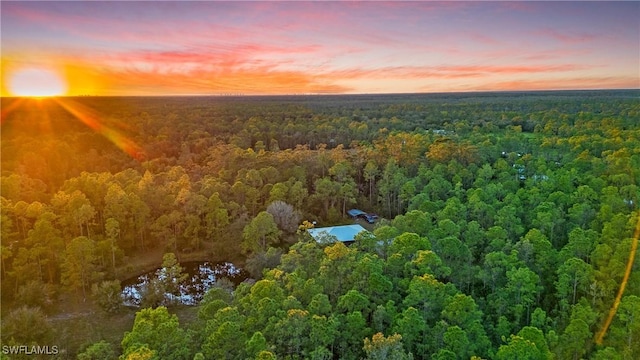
(239, 72)
(567, 37)
(237, 68)
(454, 71)
(246, 81)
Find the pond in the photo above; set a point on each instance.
(202, 275)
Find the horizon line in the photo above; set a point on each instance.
(230, 95)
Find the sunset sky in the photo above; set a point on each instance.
(167, 48)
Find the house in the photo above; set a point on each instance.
(345, 233)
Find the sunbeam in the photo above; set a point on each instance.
(92, 119)
(8, 109)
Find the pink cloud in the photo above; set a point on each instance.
(483, 39)
(456, 71)
(120, 33)
(221, 57)
(567, 37)
(552, 54)
(521, 6)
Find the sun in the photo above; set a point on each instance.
(37, 82)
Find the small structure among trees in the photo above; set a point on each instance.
(345, 233)
(359, 214)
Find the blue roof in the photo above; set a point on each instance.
(342, 233)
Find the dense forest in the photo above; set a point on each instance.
(509, 225)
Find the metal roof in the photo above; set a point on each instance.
(355, 212)
(342, 233)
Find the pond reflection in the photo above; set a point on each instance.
(202, 275)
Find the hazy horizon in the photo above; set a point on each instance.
(222, 95)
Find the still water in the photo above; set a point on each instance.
(202, 275)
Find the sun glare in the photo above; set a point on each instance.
(37, 82)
